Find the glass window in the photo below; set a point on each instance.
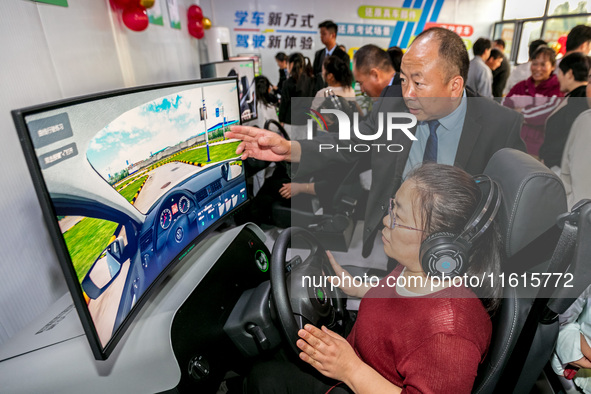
(560, 27)
(530, 31)
(568, 7)
(505, 32)
(517, 9)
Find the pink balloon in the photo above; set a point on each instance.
(195, 12)
(135, 18)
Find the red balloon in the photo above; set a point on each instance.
(135, 18)
(199, 34)
(123, 4)
(196, 29)
(562, 42)
(194, 12)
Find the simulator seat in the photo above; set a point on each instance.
(533, 198)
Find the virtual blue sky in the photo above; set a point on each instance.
(158, 124)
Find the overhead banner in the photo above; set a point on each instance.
(271, 26)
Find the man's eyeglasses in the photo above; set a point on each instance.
(393, 217)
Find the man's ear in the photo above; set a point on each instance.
(374, 73)
(457, 86)
(569, 74)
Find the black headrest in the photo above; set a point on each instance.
(533, 196)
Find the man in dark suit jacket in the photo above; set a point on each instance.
(433, 74)
(373, 71)
(328, 36)
(281, 60)
(501, 74)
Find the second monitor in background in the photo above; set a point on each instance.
(244, 71)
(251, 56)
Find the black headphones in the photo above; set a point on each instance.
(446, 253)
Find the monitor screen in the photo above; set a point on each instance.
(244, 71)
(251, 56)
(129, 182)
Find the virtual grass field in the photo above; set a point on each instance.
(86, 240)
(216, 153)
(131, 189)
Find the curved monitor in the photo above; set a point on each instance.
(244, 70)
(129, 182)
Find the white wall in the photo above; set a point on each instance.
(49, 53)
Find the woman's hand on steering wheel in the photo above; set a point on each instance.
(344, 280)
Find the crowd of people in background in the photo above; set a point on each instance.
(548, 96)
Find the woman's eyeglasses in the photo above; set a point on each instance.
(393, 218)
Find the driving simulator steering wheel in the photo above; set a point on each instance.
(295, 287)
(280, 130)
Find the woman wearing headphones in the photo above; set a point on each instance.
(422, 337)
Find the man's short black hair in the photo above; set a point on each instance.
(330, 26)
(579, 35)
(480, 46)
(495, 53)
(371, 56)
(281, 56)
(395, 54)
(500, 42)
(533, 46)
(578, 63)
(451, 49)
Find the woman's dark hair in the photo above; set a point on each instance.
(533, 46)
(339, 70)
(395, 54)
(446, 198)
(546, 52)
(262, 86)
(578, 63)
(302, 74)
(300, 66)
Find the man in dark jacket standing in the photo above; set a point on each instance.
(328, 36)
(501, 74)
(281, 59)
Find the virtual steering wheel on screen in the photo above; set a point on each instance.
(297, 297)
(177, 227)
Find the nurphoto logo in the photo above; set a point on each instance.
(392, 120)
